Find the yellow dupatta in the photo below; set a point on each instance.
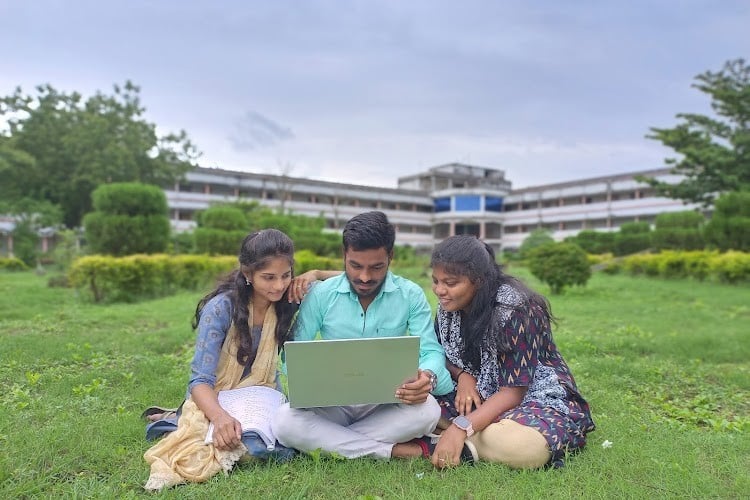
(183, 455)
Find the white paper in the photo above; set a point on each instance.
(253, 407)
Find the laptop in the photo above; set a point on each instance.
(345, 372)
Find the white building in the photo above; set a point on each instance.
(444, 200)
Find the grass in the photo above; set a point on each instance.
(664, 365)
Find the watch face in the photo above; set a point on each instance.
(462, 422)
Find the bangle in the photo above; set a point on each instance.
(458, 375)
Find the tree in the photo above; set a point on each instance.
(128, 218)
(729, 227)
(559, 265)
(715, 151)
(29, 217)
(59, 148)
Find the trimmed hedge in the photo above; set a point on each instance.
(126, 279)
(729, 267)
(102, 278)
(305, 260)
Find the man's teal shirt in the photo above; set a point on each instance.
(333, 309)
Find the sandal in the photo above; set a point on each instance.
(158, 410)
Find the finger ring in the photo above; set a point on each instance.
(468, 398)
(441, 460)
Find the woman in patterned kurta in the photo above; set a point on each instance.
(511, 383)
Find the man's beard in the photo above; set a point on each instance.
(372, 292)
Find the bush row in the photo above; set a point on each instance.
(729, 267)
(125, 279)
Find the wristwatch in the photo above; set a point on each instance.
(464, 424)
(433, 379)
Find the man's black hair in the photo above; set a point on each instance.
(369, 231)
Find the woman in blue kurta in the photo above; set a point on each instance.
(515, 400)
(241, 326)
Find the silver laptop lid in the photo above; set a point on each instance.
(349, 371)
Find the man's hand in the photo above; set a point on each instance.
(415, 391)
(300, 285)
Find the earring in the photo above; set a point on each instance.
(248, 282)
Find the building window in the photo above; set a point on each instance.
(442, 204)
(442, 231)
(493, 230)
(493, 204)
(467, 228)
(468, 203)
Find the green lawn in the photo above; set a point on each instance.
(664, 364)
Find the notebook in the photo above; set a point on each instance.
(349, 371)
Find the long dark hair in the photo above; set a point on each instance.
(466, 255)
(256, 251)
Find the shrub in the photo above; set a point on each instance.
(613, 266)
(560, 265)
(679, 231)
(596, 242)
(729, 227)
(126, 279)
(731, 267)
(633, 237)
(128, 218)
(213, 241)
(305, 260)
(535, 239)
(641, 264)
(182, 242)
(129, 198)
(126, 234)
(12, 264)
(598, 259)
(224, 218)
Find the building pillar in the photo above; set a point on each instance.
(10, 245)
(45, 244)
(482, 232)
(451, 228)
(206, 189)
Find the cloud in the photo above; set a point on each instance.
(254, 131)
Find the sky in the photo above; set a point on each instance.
(365, 92)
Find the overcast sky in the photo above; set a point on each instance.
(368, 91)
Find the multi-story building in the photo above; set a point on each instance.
(445, 200)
